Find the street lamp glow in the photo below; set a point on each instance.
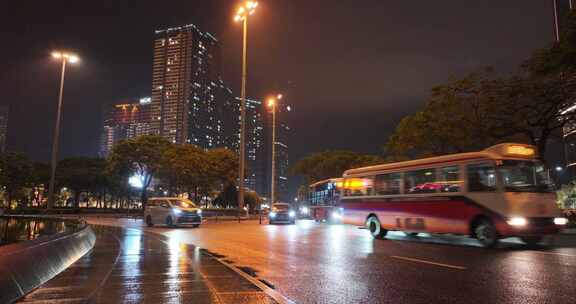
(558, 168)
(248, 8)
(69, 57)
(271, 102)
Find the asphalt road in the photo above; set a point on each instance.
(320, 263)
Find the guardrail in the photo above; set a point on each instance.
(28, 264)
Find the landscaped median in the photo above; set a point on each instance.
(55, 244)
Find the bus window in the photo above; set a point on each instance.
(358, 186)
(421, 181)
(450, 179)
(524, 176)
(387, 184)
(481, 177)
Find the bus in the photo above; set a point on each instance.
(323, 198)
(502, 191)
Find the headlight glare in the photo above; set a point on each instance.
(560, 221)
(292, 214)
(517, 221)
(272, 214)
(176, 211)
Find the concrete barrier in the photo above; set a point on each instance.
(27, 265)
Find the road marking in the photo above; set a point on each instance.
(428, 262)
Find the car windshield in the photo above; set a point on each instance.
(281, 207)
(524, 176)
(182, 203)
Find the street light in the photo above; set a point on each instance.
(244, 11)
(65, 58)
(272, 105)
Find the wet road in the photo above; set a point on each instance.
(135, 266)
(318, 263)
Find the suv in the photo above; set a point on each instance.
(281, 213)
(172, 211)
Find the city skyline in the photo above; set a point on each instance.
(327, 93)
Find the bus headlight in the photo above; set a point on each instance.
(517, 221)
(292, 214)
(560, 221)
(272, 214)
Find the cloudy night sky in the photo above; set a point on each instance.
(351, 69)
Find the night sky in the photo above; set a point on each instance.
(351, 68)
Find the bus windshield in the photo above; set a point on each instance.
(524, 176)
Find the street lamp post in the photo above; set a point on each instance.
(65, 58)
(272, 104)
(242, 15)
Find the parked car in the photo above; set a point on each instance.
(281, 213)
(172, 211)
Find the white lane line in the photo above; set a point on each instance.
(428, 262)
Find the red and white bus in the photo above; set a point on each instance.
(323, 199)
(502, 191)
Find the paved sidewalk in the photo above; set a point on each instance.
(128, 265)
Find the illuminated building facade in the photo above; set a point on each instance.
(282, 141)
(185, 84)
(125, 120)
(3, 127)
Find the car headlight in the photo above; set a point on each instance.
(199, 212)
(560, 221)
(336, 215)
(272, 214)
(305, 210)
(176, 211)
(292, 214)
(517, 221)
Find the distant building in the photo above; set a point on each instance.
(125, 120)
(4, 109)
(185, 84)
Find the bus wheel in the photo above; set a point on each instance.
(375, 228)
(531, 240)
(149, 221)
(486, 233)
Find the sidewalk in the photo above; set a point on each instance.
(128, 265)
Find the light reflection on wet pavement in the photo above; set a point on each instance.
(131, 266)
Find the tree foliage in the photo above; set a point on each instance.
(481, 110)
(328, 164)
(15, 174)
(141, 156)
(82, 174)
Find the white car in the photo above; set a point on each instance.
(172, 211)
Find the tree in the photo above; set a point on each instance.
(223, 167)
(141, 156)
(558, 57)
(329, 164)
(81, 174)
(481, 110)
(15, 174)
(184, 167)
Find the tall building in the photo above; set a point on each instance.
(125, 120)
(255, 144)
(282, 142)
(185, 82)
(4, 109)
